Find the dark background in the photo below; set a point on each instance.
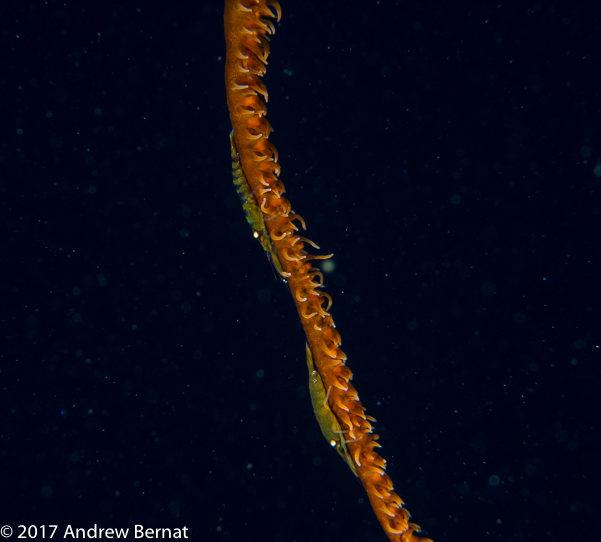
(152, 367)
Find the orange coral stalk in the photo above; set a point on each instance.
(247, 31)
